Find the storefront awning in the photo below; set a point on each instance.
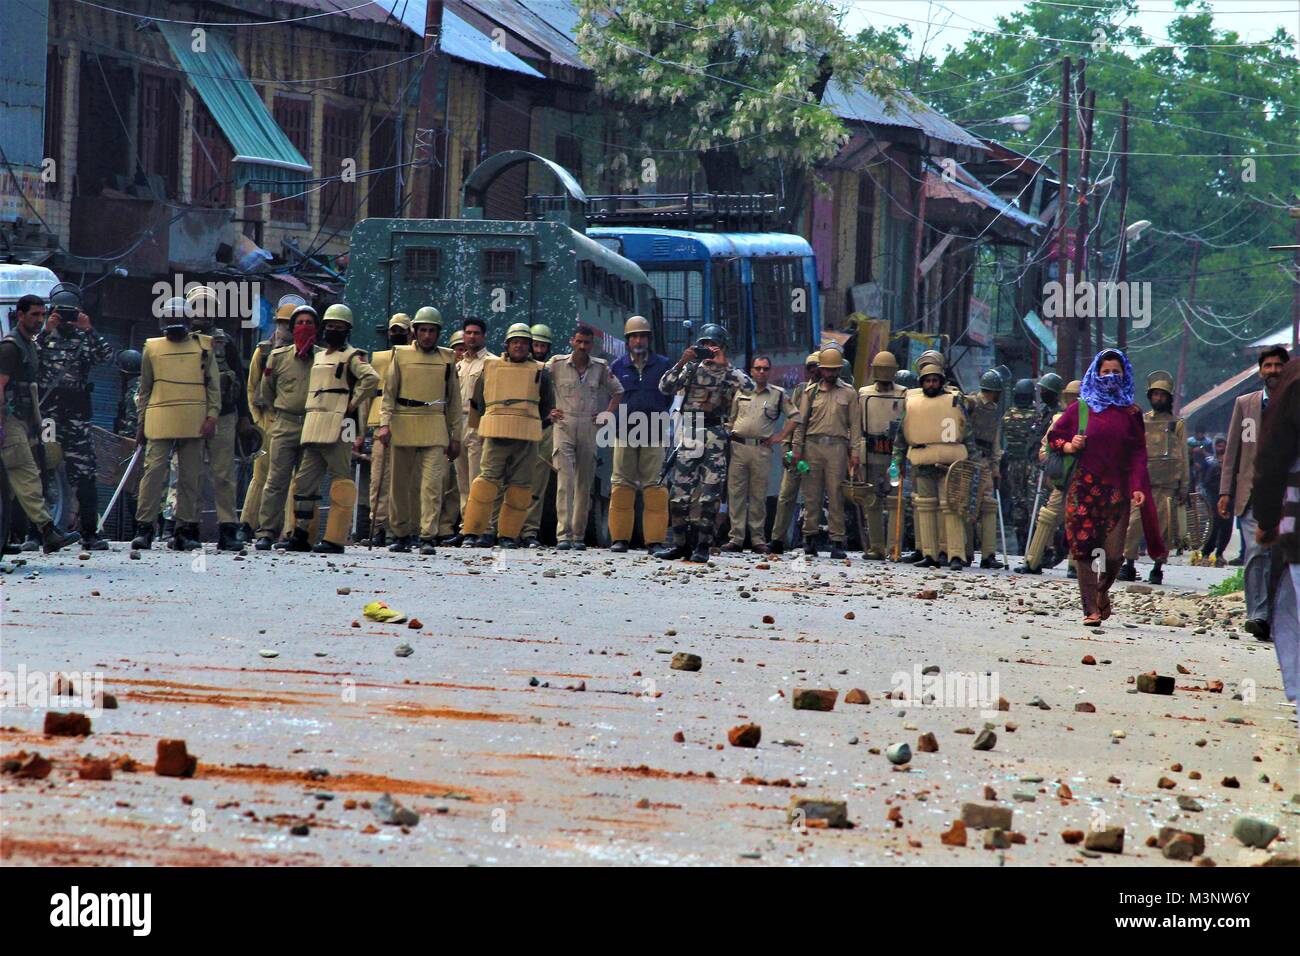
(1043, 337)
(263, 153)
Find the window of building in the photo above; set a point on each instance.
(340, 140)
(862, 249)
(54, 117)
(212, 161)
(568, 153)
(293, 115)
(159, 129)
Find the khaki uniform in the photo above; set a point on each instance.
(421, 407)
(935, 433)
(19, 462)
(827, 434)
(1049, 515)
(284, 395)
(510, 401)
(380, 477)
(986, 433)
(542, 472)
(340, 383)
(580, 396)
(219, 450)
(880, 409)
(752, 421)
(261, 414)
(468, 371)
(179, 388)
(1168, 466)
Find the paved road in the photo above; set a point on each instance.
(583, 768)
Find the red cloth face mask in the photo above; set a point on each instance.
(304, 337)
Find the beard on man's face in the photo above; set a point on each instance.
(930, 391)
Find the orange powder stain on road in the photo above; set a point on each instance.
(447, 713)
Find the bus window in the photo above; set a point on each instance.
(681, 297)
(729, 302)
(782, 304)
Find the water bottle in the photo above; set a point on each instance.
(803, 467)
(893, 474)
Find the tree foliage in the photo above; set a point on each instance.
(730, 86)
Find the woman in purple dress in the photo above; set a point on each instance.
(1110, 475)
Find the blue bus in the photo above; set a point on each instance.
(760, 286)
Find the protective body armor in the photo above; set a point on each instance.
(512, 394)
(1166, 448)
(928, 421)
(329, 390)
(379, 361)
(18, 391)
(178, 401)
(419, 418)
(880, 410)
(984, 421)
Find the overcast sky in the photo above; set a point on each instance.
(954, 20)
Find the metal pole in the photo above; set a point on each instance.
(1033, 515)
(130, 467)
(1086, 98)
(426, 117)
(1187, 331)
(1121, 330)
(1002, 528)
(1065, 357)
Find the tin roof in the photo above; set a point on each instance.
(536, 28)
(859, 104)
(962, 186)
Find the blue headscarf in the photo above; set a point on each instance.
(1100, 391)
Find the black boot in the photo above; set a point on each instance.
(1026, 568)
(1128, 571)
(776, 546)
(52, 539)
(809, 548)
(264, 543)
(507, 543)
(88, 505)
(298, 541)
(678, 550)
(143, 539)
(327, 547)
(1073, 573)
(228, 536)
(927, 562)
(912, 557)
(186, 537)
(452, 541)
(1157, 575)
(619, 547)
(701, 553)
(990, 561)
(428, 546)
(244, 534)
(956, 564)
(837, 551)
(486, 540)
(401, 544)
(379, 538)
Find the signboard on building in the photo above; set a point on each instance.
(980, 327)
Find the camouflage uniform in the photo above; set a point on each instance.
(67, 356)
(1020, 426)
(127, 422)
(701, 462)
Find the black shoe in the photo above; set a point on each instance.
(990, 561)
(52, 539)
(529, 543)
(244, 534)
(93, 542)
(452, 541)
(298, 542)
(1258, 629)
(186, 537)
(618, 547)
(809, 549)
(1026, 569)
(1127, 572)
(837, 552)
(32, 543)
(228, 537)
(327, 547)
(400, 545)
(508, 544)
(926, 562)
(1157, 575)
(579, 546)
(956, 564)
(13, 549)
(675, 553)
(486, 540)
(427, 546)
(379, 538)
(263, 544)
(732, 548)
(912, 557)
(1073, 573)
(568, 546)
(283, 543)
(776, 547)
(143, 539)
(1237, 562)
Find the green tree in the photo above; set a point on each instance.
(735, 85)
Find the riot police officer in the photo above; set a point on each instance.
(70, 347)
(985, 411)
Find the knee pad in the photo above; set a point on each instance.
(654, 514)
(343, 495)
(478, 507)
(304, 506)
(514, 510)
(622, 512)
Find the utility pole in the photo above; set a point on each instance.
(1295, 292)
(1187, 329)
(1065, 328)
(1085, 97)
(1121, 331)
(426, 119)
